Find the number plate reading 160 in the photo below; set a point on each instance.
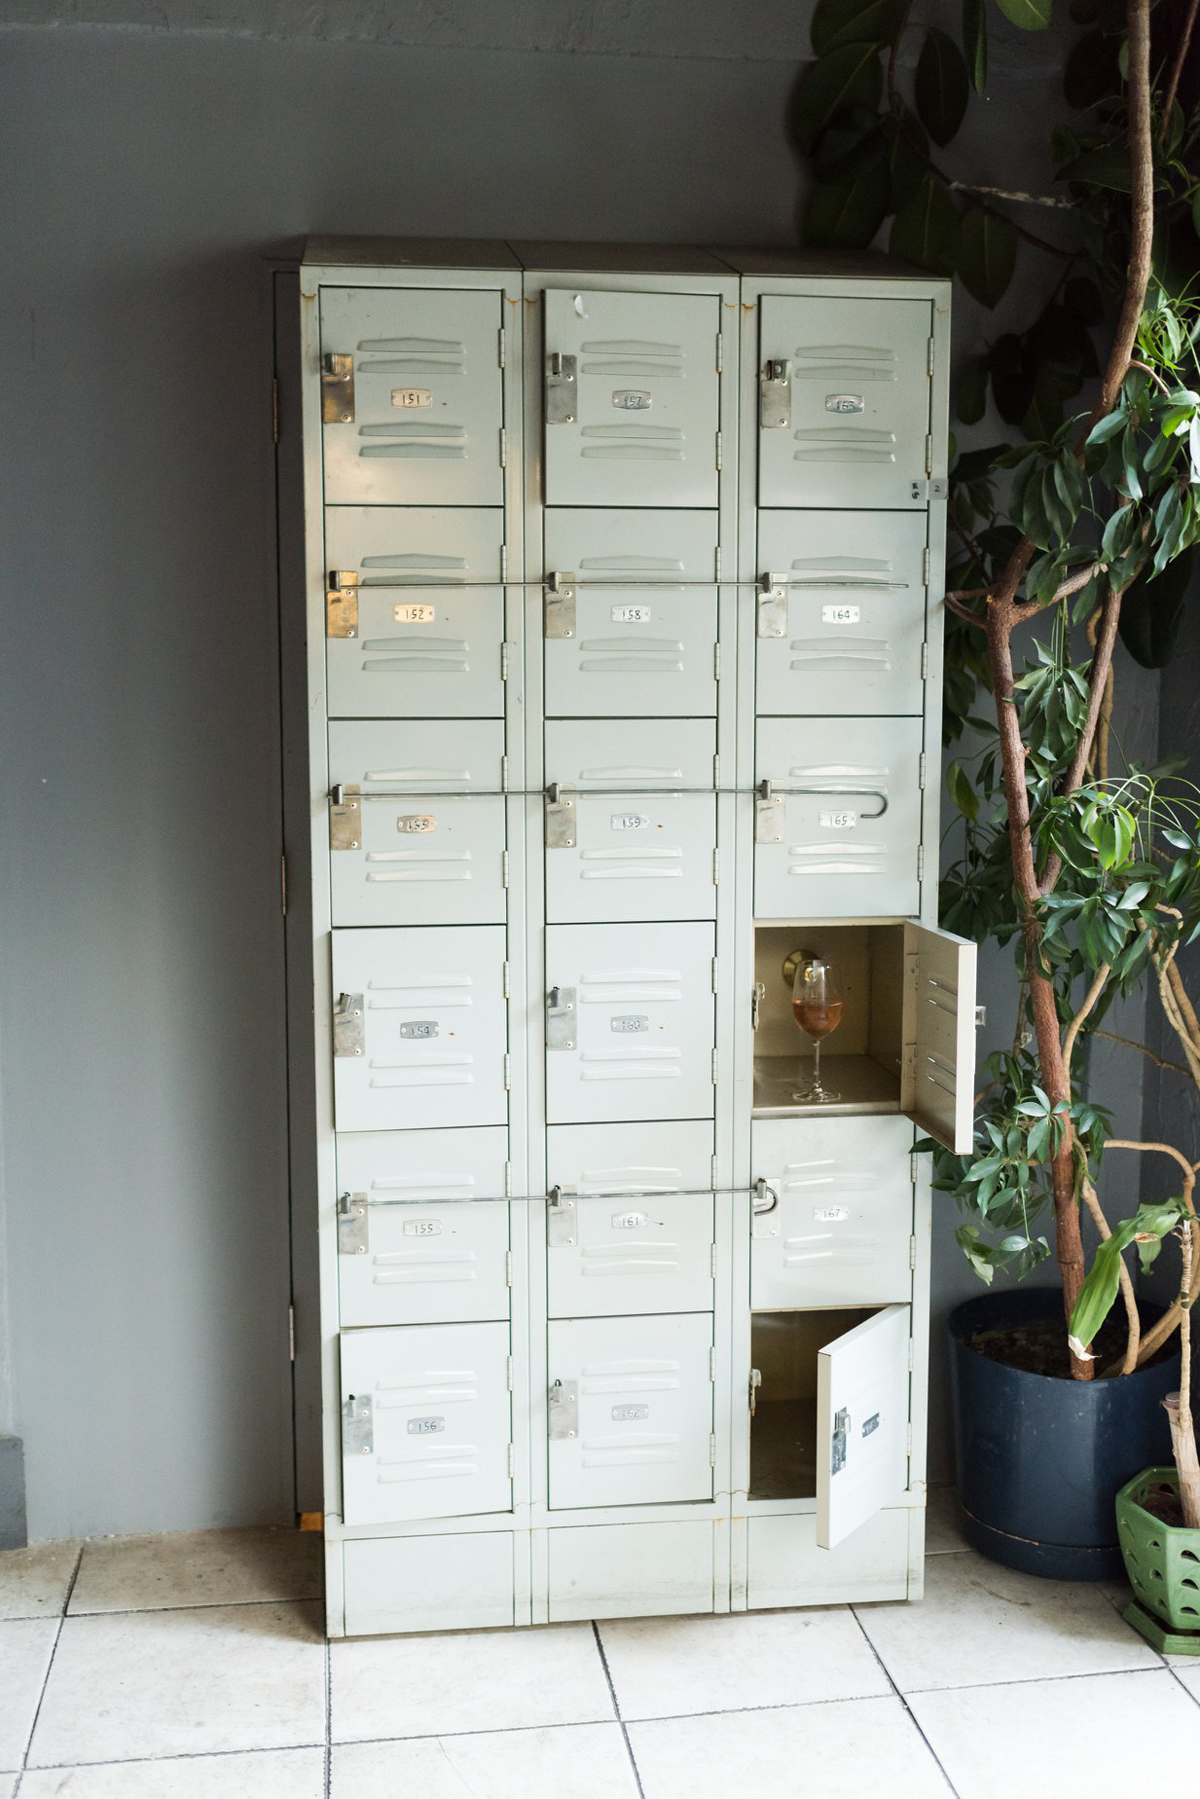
(626, 1023)
(837, 821)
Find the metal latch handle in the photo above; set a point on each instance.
(768, 790)
(755, 1384)
(764, 1191)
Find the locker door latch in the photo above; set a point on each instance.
(353, 1224)
(755, 1384)
(841, 1433)
(560, 1018)
(337, 390)
(341, 603)
(769, 815)
(561, 399)
(560, 817)
(561, 1218)
(764, 1207)
(564, 1409)
(560, 605)
(773, 606)
(349, 1034)
(775, 396)
(345, 818)
(358, 1425)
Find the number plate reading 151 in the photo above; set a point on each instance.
(411, 396)
(413, 615)
(626, 1023)
(837, 821)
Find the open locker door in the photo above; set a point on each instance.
(862, 1420)
(938, 1071)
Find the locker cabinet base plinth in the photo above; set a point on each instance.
(785, 1566)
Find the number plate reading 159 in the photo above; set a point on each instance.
(837, 821)
(629, 821)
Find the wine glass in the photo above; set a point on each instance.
(817, 1009)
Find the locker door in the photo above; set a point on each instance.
(843, 634)
(631, 1410)
(862, 1421)
(845, 422)
(633, 835)
(419, 633)
(632, 1226)
(938, 1068)
(629, 1022)
(420, 1028)
(419, 834)
(630, 631)
(846, 846)
(418, 423)
(426, 1422)
(631, 399)
(407, 1254)
(834, 1225)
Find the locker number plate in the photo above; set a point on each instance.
(840, 615)
(629, 821)
(629, 1221)
(631, 399)
(413, 615)
(422, 1227)
(425, 1427)
(630, 1414)
(411, 396)
(822, 1214)
(420, 1028)
(843, 402)
(631, 615)
(627, 1023)
(837, 821)
(416, 824)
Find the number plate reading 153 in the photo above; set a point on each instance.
(837, 821)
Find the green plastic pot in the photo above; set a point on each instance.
(1163, 1565)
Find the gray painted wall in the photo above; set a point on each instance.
(141, 1033)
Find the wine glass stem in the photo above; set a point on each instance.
(817, 1064)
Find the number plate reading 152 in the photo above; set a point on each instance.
(837, 821)
(411, 614)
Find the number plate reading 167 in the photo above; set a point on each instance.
(837, 821)
(625, 1023)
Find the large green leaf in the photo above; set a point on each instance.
(1152, 612)
(907, 146)
(846, 214)
(1100, 1288)
(838, 22)
(846, 77)
(974, 35)
(970, 394)
(1107, 166)
(987, 254)
(941, 87)
(1030, 15)
(925, 232)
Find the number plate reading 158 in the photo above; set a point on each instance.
(631, 615)
(626, 1023)
(837, 821)
(414, 615)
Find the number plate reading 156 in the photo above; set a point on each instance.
(414, 615)
(837, 821)
(626, 1023)
(425, 1427)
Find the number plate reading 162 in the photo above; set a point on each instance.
(625, 1023)
(837, 821)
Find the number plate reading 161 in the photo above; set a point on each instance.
(629, 1221)
(625, 1023)
(837, 821)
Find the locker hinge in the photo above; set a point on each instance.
(508, 1281)
(291, 1333)
(283, 884)
(274, 409)
(712, 1177)
(912, 1356)
(716, 662)
(510, 1371)
(716, 868)
(718, 452)
(504, 562)
(922, 768)
(712, 1449)
(717, 563)
(353, 1224)
(929, 356)
(714, 1068)
(926, 559)
(716, 771)
(924, 662)
(913, 1167)
(720, 352)
(712, 1250)
(929, 452)
(920, 861)
(714, 974)
(507, 1071)
(758, 994)
(712, 1358)
(912, 1257)
(504, 447)
(511, 1462)
(505, 981)
(504, 868)
(504, 662)
(504, 774)
(500, 346)
(508, 1181)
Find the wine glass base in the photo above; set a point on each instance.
(816, 1096)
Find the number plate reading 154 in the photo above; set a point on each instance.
(414, 615)
(626, 1023)
(419, 1028)
(837, 821)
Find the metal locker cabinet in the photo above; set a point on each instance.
(419, 1027)
(832, 1222)
(862, 1423)
(844, 408)
(426, 1422)
(630, 618)
(601, 1159)
(841, 613)
(631, 399)
(630, 1410)
(631, 820)
(451, 1582)
(423, 1232)
(937, 1086)
(629, 1022)
(413, 404)
(417, 631)
(417, 836)
(839, 834)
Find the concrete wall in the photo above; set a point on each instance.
(154, 155)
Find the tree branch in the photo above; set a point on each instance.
(1147, 370)
(1141, 165)
(952, 603)
(1099, 982)
(1132, 1043)
(1097, 688)
(1185, 40)
(1019, 199)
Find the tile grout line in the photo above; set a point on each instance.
(199, 1605)
(62, 1618)
(908, 1712)
(637, 1773)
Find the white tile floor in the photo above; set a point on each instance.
(193, 1667)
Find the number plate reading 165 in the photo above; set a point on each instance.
(837, 821)
(626, 1023)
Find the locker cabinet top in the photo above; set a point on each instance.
(409, 252)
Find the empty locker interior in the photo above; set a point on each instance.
(621, 622)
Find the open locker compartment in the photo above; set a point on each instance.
(905, 1042)
(829, 1394)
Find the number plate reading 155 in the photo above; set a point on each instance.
(422, 1227)
(837, 821)
(626, 1023)
(416, 823)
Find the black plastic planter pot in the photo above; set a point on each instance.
(1040, 1460)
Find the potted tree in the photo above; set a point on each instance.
(1071, 547)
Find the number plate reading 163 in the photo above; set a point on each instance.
(837, 821)
(626, 1023)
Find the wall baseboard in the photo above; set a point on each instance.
(13, 1529)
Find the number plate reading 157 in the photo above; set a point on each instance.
(837, 821)
(626, 1023)
(414, 615)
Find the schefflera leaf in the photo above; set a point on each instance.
(987, 255)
